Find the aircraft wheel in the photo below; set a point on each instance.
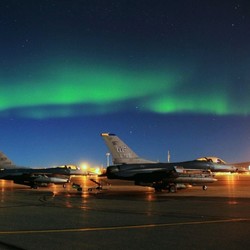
(172, 189)
(204, 188)
(79, 189)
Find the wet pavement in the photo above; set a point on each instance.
(124, 216)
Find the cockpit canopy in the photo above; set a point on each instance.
(70, 167)
(212, 159)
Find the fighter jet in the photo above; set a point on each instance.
(161, 176)
(36, 177)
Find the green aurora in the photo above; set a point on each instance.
(63, 91)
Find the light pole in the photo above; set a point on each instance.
(168, 156)
(107, 154)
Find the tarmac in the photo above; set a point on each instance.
(124, 216)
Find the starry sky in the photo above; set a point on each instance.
(163, 75)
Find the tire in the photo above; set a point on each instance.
(172, 189)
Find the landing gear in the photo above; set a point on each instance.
(204, 187)
(77, 187)
(98, 188)
(172, 188)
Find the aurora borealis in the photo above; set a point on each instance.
(82, 85)
(59, 86)
(127, 67)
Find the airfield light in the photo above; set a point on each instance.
(97, 171)
(84, 166)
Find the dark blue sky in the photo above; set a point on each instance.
(162, 75)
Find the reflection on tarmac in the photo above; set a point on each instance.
(231, 183)
(124, 216)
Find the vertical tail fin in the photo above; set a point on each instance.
(5, 161)
(121, 153)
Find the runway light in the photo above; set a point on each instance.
(84, 166)
(95, 170)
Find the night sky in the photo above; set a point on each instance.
(163, 75)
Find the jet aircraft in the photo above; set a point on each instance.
(129, 166)
(36, 177)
